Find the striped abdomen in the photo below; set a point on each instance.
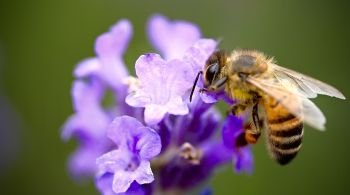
(284, 132)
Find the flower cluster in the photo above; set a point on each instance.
(150, 138)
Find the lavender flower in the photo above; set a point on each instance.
(172, 39)
(163, 86)
(158, 142)
(108, 66)
(199, 152)
(198, 53)
(87, 125)
(242, 157)
(105, 182)
(136, 146)
(104, 72)
(165, 83)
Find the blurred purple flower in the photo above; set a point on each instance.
(87, 124)
(108, 65)
(136, 146)
(172, 38)
(198, 53)
(242, 157)
(90, 117)
(95, 76)
(82, 161)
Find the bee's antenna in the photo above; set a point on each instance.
(194, 84)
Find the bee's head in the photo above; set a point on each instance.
(213, 79)
(212, 71)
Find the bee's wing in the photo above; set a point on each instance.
(308, 86)
(310, 113)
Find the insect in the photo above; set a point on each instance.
(275, 99)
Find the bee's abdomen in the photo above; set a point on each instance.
(285, 135)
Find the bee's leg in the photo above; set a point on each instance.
(252, 135)
(252, 130)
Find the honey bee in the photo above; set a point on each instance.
(276, 99)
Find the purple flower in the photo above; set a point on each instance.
(197, 56)
(88, 125)
(172, 39)
(179, 173)
(242, 157)
(108, 66)
(213, 97)
(200, 153)
(198, 126)
(163, 86)
(104, 186)
(198, 53)
(154, 123)
(90, 118)
(82, 162)
(136, 146)
(104, 72)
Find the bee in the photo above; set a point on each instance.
(275, 99)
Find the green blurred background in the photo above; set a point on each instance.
(42, 40)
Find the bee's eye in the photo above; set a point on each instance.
(211, 72)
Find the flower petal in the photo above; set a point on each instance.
(231, 129)
(122, 181)
(144, 174)
(104, 185)
(179, 77)
(121, 128)
(110, 48)
(154, 114)
(86, 125)
(149, 144)
(199, 53)
(177, 106)
(243, 160)
(215, 153)
(164, 84)
(137, 99)
(149, 66)
(114, 42)
(90, 120)
(87, 67)
(112, 161)
(82, 161)
(86, 95)
(242, 156)
(172, 39)
(208, 98)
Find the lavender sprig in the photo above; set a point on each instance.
(151, 139)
